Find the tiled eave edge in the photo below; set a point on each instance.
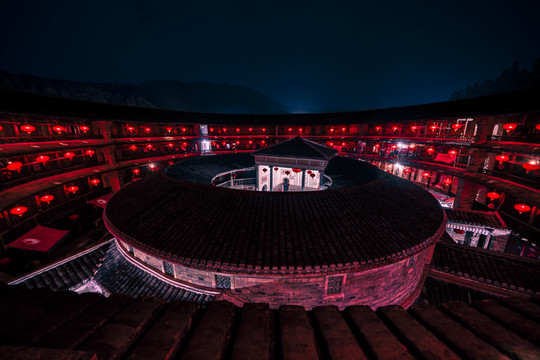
(290, 270)
(475, 283)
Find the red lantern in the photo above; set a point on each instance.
(42, 159)
(28, 128)
(509, 127)
(430, 150)
(84, 128)
(69, 155)
(412, 146)
(169, 129)
(250, 129)
(59, 129)
(263, 129)
(171, 145)
(136, 171)
(263, 142)
(407, 170)
(211, 129)
(183, 130)
(147, 130)
(237, 130)
(297, 170)
(130, 129)
(394, 147)
(250, 142)
(395, 128)
(184, 143)
(456, 126)
(312, 175)
(47, 198)
(90, 152)
(433, 127)
(19, 210)
(1, 128)
(309, 171)
(501, 158)
(287, 172)
(521, 208)
(14, 166)
(447, 181)
(532, 166)
(224, 129)
(538, 127)
(149, 146)
(426, 175)
(493, 195)
(73, 189)
(94, 181)
(290, 129)
(414, 128)
(378, 128)
(265, 170)
(331, 130)
(452, 152)
(300, 130)
(276, 169)
(133, 147)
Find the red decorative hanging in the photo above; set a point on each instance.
(493, 195)
(394, 147)
(501, 158)
(73, 189)
(170, 145)
(133, 147)
(147, 130)
(538, 127)
(224, 129)
(84, 128)
(263, 129)
(309, 171)
(136, 171)
(264, 169)
(331, 130)
(237, 130)
(19, 210)
(290, 129)
(287, 172)
(130, 128)
(276, 169)
(452, 152)
(149, 146)
(414, 128)
(509, 127)
(297, 170)
(1, 128)
(184, 143)
(532, 166)
(447, 181)
(343, 129)
(28, 128)
(433, 127)
(456, 126)
(250, 129)
(59, 128)
(312, 175)
(169, 129)
(407, 171)
(395, 128)
(183, 130)
(426, 175)
(47, 198)
(95, 181)
(378, 128)
(90, 152)
(412, 146)
(42, 159)
(69, 155)
(430, 150)
(521, 208)
(16, 165)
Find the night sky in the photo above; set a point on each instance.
(309, 55)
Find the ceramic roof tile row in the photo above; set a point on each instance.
(480, 218)
(503, 270)
(119, 276)
(205, 226)
(67, 326)
(298, 147)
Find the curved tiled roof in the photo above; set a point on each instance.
(378, 219)
(300, 148)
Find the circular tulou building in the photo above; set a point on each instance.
(363, 240)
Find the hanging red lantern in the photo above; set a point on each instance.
(250, 142)
(378, 128)
(501, 158)
(343, 129)
(133, 147)
(169, 129)
(414, 128)
(452, 152)
(493, 195)
(309, 171)
(509, 127)
(47, 198)
(16, 165)
(69, 155)
(456, 126)
(433, 127)
(412, 146)
(224, 129)
(394, 147)
(312, 175)
(95, 181)
(407, 170)
(532, 166)
(297, 170)
(90, 152)
(521, 208)
(430, 150)
(447, 181)
(426, 175)
(184, 143)
(42, 159)
(19, 210)
(130, 129)
(28, 128)
(170, 145)
(276, 169)
(237, 130)
(73, 189)
(183, 130)
(84, 128)
(331, 130)
(59, 129)
(250, 129)
(147, 130)
(263, 129)
(136, 171)
(290, 129)
(265, 169)
(211, 129)
(1, 128)
(395, 128)
(263, 142)
(149, 146)
(538, 127)
(287, 172)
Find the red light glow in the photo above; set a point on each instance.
(73, 189)
(28, 128)
(16, 165)
(130, 128)
(509, 127)
(133, 147)
(456, 126)
(522, 208)
(47, 198)
(90, 152)
(95, 181)
(493, 195)
(414, 128)
(19, 210)
(430, 150)
(69, 155)
(42, 159)
(59, 129)
(84, 128)
(147, 130)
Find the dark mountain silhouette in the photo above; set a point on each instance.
(511, 79)
(163, 94)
